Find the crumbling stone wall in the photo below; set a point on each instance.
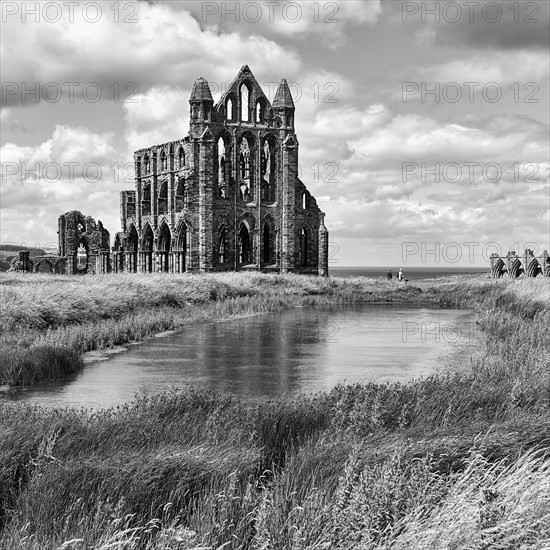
(83, 243)
(514, 266)
(84, 247)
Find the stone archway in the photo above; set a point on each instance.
(147, 249)
(181, 248)
(245, 245)
(82, 257)
(164, 248)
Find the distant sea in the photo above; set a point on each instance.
(410, 273)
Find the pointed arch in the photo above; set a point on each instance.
(222, 245)
(244, 97)
(269, 241)
(147, 245)
(146, 164)
(269, 168)
(306, 246)
(180, 194)
(171, 157)
(222, 163)
(498, 269)
(163, 161)
(162, 201)
(230, 110)
(533, 269)
(133, 245)
(260, 110)
(82, 256)
(164, 247)
(182, 244)
(146, 199)
(246, 152)
(245, 244)
(516, 269)
(181, 157)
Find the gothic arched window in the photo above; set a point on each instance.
(245, 103)
(221, 246)
(221, 167)
(181, 158)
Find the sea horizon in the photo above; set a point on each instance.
(409, 272)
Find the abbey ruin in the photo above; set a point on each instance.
(227, 196)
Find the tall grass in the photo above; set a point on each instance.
(79, 314)
(445, 462)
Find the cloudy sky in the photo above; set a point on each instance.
(423, 131)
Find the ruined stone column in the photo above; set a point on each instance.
(323, 247)
(290, 156)
(206, 178)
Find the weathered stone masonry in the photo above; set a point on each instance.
(514, 266)
(84, 247)
(227, 196)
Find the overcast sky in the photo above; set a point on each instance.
(390, 96)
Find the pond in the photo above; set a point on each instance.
(305, 349)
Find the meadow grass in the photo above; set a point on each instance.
(42, 316)
(455, 461)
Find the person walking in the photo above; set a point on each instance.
(389, 275)
(400, 275)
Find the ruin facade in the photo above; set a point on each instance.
(84, 247)
(227, 196)
(513, 265)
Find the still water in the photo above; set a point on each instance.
(298, 350)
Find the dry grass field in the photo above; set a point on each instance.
(446, 462)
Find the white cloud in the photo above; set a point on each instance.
(75, 169)
(160, 49)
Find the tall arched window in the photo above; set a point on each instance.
(260, 111)
(244, 159)
(181, 158)
(146, 200)
(221, 246)
(267, 244)
(180, 195)
(221, 167)
(163, 198)
(304, 201)
(304, 247)
(163, 161)
(146, 164)
(245, 249)
(268, 171)
(81, 257)
(245, 103)
(230, 112)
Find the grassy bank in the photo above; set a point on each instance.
(445, 462)
(46, 316)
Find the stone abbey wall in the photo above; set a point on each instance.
(514, 266)
(227, 196)
(84, 247)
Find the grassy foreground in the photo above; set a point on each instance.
(448, 462)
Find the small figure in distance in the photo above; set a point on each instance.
(389, 274)
(400, 275)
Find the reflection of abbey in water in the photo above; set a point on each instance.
(227, 196)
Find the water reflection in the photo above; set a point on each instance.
(303, 349)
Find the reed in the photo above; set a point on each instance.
(443, 462)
